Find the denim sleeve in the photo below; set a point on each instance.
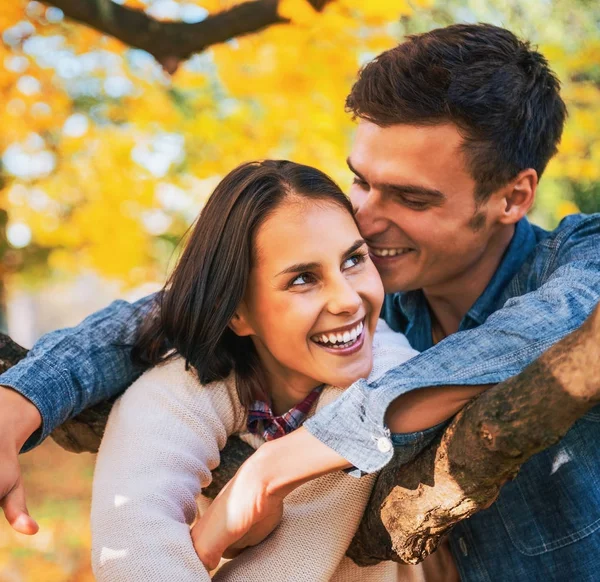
(562, 293)
(71, 369)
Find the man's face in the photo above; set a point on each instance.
(415, 206)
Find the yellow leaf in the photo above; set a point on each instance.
(298, 11)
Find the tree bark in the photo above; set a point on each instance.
(171, 42)
(485, 445)
(459, 474)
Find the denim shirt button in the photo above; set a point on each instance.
(463, 546)
(384, 444)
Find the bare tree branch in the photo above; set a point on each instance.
(172, 42)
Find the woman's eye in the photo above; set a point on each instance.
(353, 261)
(302, 279)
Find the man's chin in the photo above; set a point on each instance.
(395, 286)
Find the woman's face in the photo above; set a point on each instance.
(313, 300)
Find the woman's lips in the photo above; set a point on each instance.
(354, 346)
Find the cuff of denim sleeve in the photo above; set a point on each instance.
(345, 427)
(408, 445)
(44, 385)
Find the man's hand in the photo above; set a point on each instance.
(250, 506)
(19, 418)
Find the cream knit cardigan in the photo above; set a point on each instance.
(161, 443)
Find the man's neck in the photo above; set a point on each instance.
(450, 302)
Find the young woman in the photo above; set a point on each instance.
(269, 314)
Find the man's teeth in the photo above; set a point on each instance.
(389, 252)
(340, 337)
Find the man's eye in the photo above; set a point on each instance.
(414, 204)
(302, 279)
(360, 183)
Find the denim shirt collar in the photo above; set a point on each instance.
(413, 304)
(519, 248)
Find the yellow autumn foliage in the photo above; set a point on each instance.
(110, 132)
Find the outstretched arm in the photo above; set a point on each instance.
(71, 369)
(65, 372)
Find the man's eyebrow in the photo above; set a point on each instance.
(438, 196)
(301, 267)
(354, 170)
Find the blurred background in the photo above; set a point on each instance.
(108, 155)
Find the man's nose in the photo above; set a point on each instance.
(369, 213)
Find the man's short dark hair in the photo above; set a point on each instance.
(499, 92)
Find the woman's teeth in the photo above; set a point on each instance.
(340, 339)
(389, 252)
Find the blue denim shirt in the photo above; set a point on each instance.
(545, 524)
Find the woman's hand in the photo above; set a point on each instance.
(243, 514)
(250, 506)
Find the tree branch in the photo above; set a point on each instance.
(174, 41)
(486, 444)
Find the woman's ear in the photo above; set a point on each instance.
(239, 323)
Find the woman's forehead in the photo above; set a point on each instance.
(299, 232)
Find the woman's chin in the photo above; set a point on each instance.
(349, 377)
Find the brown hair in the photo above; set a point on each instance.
(193, 311)
(498, 91)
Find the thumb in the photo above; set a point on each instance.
(206, 548)
(15, 511)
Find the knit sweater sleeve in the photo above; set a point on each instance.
(161, 442)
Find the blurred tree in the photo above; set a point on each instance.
(107, 158)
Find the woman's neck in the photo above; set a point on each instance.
(286, 389)
(287, 392)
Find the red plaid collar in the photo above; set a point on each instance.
(262, 421)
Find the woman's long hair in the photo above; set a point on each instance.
(193, 310)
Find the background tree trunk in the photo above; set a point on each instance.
(459, 474)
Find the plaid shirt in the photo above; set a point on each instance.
(262, 421)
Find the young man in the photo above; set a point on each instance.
(455, 128)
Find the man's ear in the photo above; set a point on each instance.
(239, 323)
(519, 196)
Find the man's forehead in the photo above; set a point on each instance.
(397, 152)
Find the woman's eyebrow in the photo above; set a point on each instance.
(355, 246)
(301, 267)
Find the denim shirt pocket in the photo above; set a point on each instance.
(555, 499)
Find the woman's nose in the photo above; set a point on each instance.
(344, 297)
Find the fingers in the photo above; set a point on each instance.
(15, 511)
(208, 556)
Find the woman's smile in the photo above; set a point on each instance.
(343, 341)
